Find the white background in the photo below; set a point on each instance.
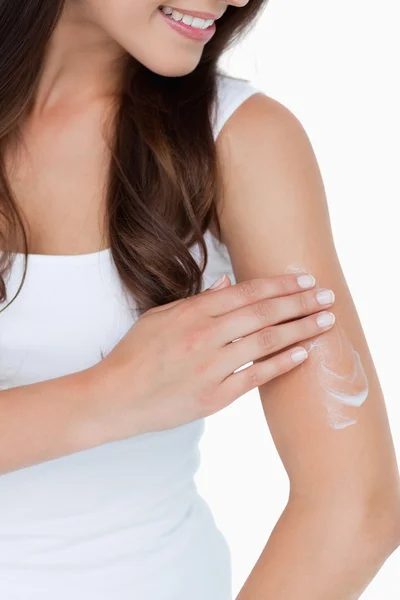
(335, 65)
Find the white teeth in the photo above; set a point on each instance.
(187, 19)
(178, 16)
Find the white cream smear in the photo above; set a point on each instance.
(340, 372)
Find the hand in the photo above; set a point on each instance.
(177, 363)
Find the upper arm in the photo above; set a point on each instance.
(274, 215)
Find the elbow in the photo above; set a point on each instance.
(371, 538)
(393, 527)
(396, 533)
(366, 528)
(381, 524)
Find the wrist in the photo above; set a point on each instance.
(109, 418)
(95, 424)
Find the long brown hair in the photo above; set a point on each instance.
(164, 179)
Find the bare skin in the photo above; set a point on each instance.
(59, 176)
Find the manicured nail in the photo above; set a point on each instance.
(306, 281)
(299, 355)
(325, 319)
(217, 282)
(325, 297)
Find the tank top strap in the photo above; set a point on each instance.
(231, 93)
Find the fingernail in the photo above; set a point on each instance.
(325, 319)
(217, 282)
(325, 297)
(306, 281)
(299, 355)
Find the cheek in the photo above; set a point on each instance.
(122, 18)
(337, 368)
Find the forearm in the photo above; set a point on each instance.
(316, 553)
(49, 419)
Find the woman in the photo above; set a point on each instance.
(115, 348)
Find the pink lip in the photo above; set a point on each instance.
(195, 13)
(201, 35)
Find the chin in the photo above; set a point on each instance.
(173, 68)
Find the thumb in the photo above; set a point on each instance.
(220, 283)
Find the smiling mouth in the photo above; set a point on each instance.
(208, 21)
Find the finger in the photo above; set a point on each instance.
(222, 282)
(270, 340)
(252, 290)
(270, 311)
(237, 384)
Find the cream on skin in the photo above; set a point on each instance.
(340, 372)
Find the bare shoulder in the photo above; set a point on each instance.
(257, 106)
(263, 149)
(260, 118)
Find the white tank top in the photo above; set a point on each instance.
(124, 520)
